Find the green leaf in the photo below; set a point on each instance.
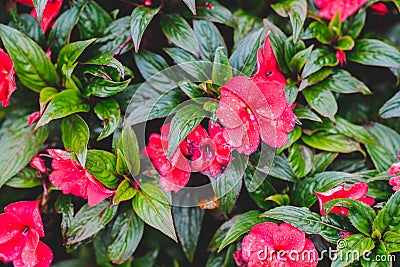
(322, 161)
(281, 169)
(303, 112)
(345, 43)
(391, 108)
(375, 53)
(63, 104)
(128, 144)
(75, 136)
(357, 245)
(277, 39)
(193, 91)
(26, 178)
(320, 57)
(60, 34)
(108, 59)
(293, 136)
(384, 152)
(244, 55)
(332, 142)
(388, 218)
(302, 218)
(152, 206)
(46, 94)
(315, 78)
(188, 223)
(360, 214)
(104, 88)
(299, 60)
(303, 193)
(321, 32)
(242, 225)
(191, 5)
(127, 232)
(29, 25)
(147, 260)
(218, 14)
(301, 160)
(335, 25)
(71, 52)
(222, 71)
(209, 38)
(89, 221)
(140, 19)
(124, 192)
(183, 123)
(343, 82)
(93, 21)
(228, 185)
(245, 23)
(40, 5)
(19, 143)
(102, 165)
(392, 241)
(354, 27)
(64, 206)
(322, 101)
(109, 112)
(31, 64)
(380, 257)
(296, 10)
(179, 32)
(115, 36)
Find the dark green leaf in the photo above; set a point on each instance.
(303, 112)
(151, 205)
(63, 104)
(209, 38)
(101, 164)
(26, 178)
(392, 241)
(315, 78)
(109, 112)
(301, 160)
(322, 101)
(75, 136)
(222, 71)
(354, 243)
(218, 13)
(388, 218)
(320, 57)
(277, 39)
(322, 161)
(40, 5)
(89, 221)
(179, 32)
(332, 142)
(320, 31)
(299, 60)
(354, 27)
(345, 43)
(147, 260)
(104, 88)
(191, 5)
(391, 108)
(376, 53)
(140, 19)
(115, 37)
(29, 25)
(245, 23)
(93, 21)
(193, 91)
(31, 64)
(71, 52)
(188, 225)
(185, 120)
(127, 232)
(281, 169)
(64, 206)
(293, 136)
(18, 145)
(124, 192)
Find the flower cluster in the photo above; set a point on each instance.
(20, 229)
(7, 79)
(250, 108)
(395, 170)
(269, 244)
(208, 154)
(357, 191)
(329, 8)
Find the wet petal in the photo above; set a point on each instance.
(28, 213)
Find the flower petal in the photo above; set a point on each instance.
(28, 213)
(10, 227)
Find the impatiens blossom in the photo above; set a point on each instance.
(175, 172)
(72, 178)
(329, 8)
(341, 57)
(209, 153)
(256, 107)
(395, 170)
(7, 79)
(357, 191)
(38, 163)
(50, 12)
(269, 244)
(34, 117)
(379, 9)
(20, 229)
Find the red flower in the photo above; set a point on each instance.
(7, 79)
(50, 12)
(175, 173)
(379, 9)
(329, 8)
(210, 153)
(20, 229)
(269, 244)
(38, 164)
(357, 191)
(74, 179)
(395, 170)
(34, 117)
(341, 57)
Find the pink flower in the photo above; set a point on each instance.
(38, 164)
(7, 79)
(341, 57)
(256, 107)
(50, 12)
(209, 153)
(395, 170)
(34, 117)
(329, 8)
(269, 244)
(175, 173)
(357, 191)
(20, 229)
(379, 9)
(72, 178)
